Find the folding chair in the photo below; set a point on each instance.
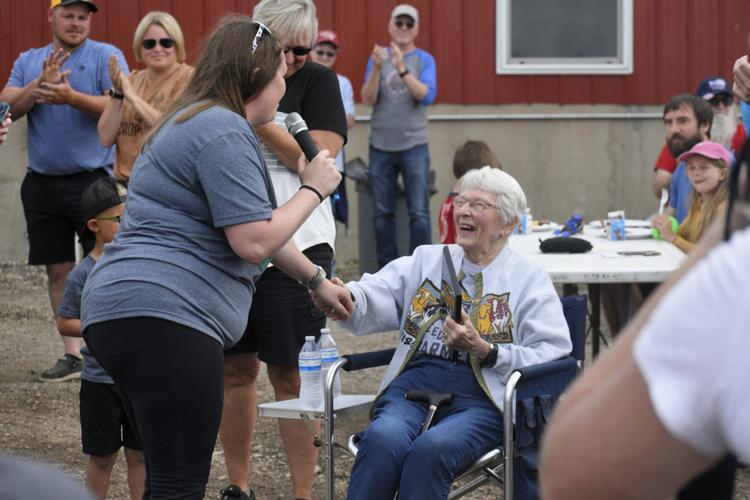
(533, 389)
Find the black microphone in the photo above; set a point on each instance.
(298, 128)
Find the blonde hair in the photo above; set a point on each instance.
(225, 75)
(709, 206)
(169, 24)
(289, 20)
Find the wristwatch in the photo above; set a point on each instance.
(404, 72)
(491, 358)
(113, 93)
(316, 280)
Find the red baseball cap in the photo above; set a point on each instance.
(327, 36)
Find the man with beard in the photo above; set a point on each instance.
(687, 121)
(727, 129)
(60, 88)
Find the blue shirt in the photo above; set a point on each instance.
(679, 192)
(61, 139)
(70, 307)
(171, 258)
(745, 112)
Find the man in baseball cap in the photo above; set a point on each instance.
(88, 3)
(61, 87)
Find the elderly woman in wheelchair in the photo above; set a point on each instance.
(511, 317)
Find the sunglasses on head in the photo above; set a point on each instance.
(262, 28)
(298, 51)
(150, 43)
(325, 53)
(400, 23)
(113, 218)
(724, 99)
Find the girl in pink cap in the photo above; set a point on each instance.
(707, 165)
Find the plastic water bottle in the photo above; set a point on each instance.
(310, 393)
(329, 354)
(526, 221)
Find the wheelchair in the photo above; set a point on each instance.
(530, 394)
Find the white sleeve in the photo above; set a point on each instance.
(693, 352)
(347, 95)
(379, 298)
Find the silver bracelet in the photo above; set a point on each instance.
(317, 279)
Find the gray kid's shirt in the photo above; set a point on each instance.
(171, 258)
(70, 307)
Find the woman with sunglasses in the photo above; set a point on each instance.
(282, 314)
(137, 100)
(201, 224)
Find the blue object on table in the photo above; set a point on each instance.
(572, 226)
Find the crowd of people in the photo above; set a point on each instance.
(209, 243)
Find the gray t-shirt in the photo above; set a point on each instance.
(70, 307)
(171, 258)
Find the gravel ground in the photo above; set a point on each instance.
(40, 420)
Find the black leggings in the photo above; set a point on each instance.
(172, 380)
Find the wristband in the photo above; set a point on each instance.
(404, 73)
(113, 93)
(305, 186)
(491, 358)
(316, 280)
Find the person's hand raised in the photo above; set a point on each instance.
(379, 55)
(397, 58)
(741, 87)
(321, 173)
(115, 74)
(51, 67)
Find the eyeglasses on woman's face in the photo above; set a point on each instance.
(476, 206)
(150, 43)
(298, 51)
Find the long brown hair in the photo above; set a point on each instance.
(228, 73)
(709, 205)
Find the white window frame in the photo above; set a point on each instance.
(505, 65)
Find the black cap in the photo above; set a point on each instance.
(100, 196)
(89, 3)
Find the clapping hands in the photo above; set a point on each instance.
(54, 87)
(334, 299)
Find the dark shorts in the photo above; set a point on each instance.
(282, 314)
(104, 424)
(52, 206)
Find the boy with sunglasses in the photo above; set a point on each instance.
(400, 83)
(104, 423)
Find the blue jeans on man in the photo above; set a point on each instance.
(393, 455)
(414, 165)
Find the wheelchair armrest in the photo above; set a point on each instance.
(548, 369)
(361, 361)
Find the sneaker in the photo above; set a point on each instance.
(234, 492)
(67, 368)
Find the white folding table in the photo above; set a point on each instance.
(601, 265)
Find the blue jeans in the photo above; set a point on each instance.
(414, 166)
(393, 455)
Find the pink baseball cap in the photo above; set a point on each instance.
(707, 149)
(327, 36)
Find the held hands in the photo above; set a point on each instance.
(741, 71)
(379, 55)
(334, 299)
(465, 337)
(321, 173)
